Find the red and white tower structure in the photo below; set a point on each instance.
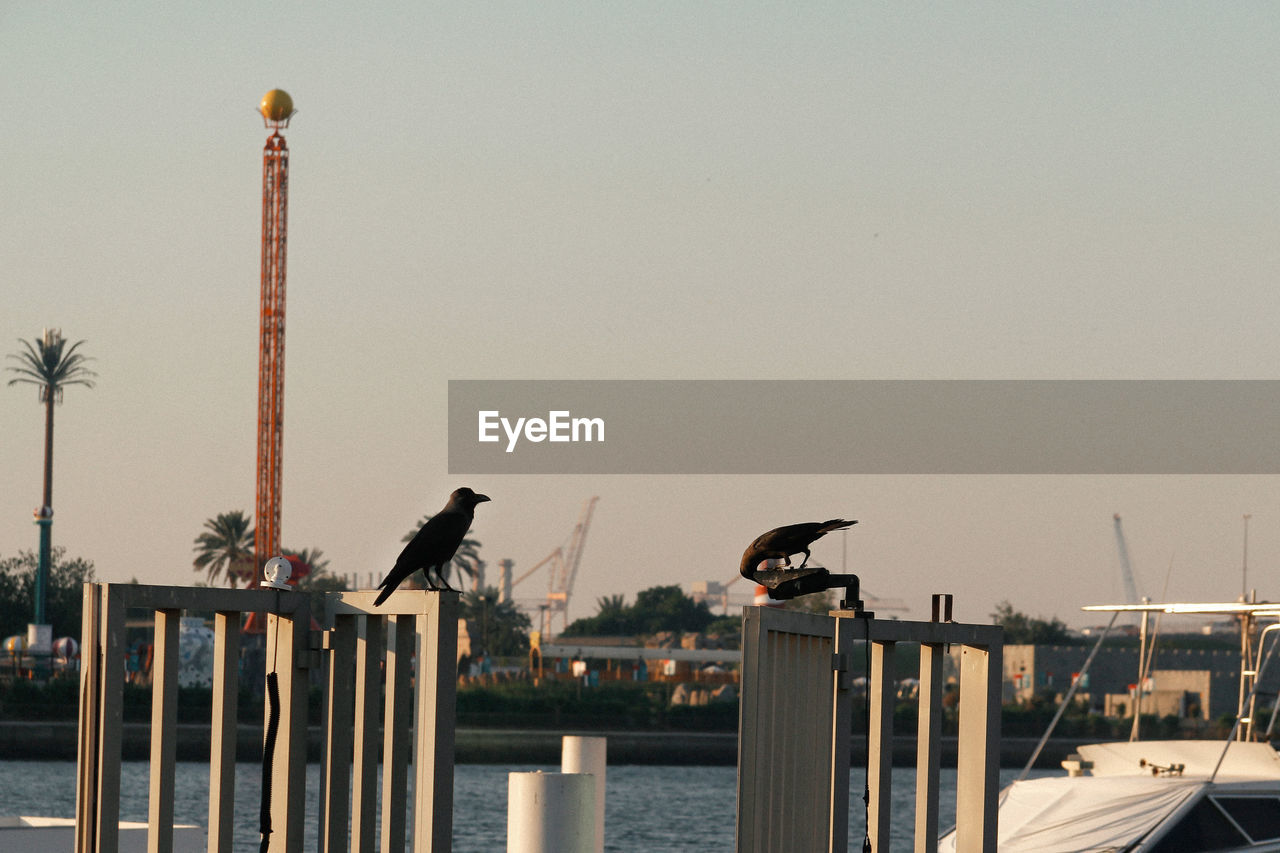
(276, 109)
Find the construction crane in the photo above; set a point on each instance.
(564, 562)
(1126, 570)
(1145, 652)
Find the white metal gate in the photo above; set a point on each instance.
(424, 625)
(351, 654)
(796, 716)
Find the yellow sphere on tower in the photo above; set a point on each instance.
(276, 105)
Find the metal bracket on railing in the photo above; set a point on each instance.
(784, 584)
(840, 665)
(309, 658)
(852, 601)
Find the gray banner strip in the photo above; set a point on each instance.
(864, 427)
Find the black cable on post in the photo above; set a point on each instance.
(866, 791)
(268, 750)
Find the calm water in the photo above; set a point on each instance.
(649, 809)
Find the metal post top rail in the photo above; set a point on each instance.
(900, 630)
(205, 598)
(409, 602)
(403, 602)
(884, 630)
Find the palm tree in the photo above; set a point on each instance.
(51, 365)
(612, 616)
(610, 605)
(501, 628)
(311, 569)
(313, 558)
(226, 547)
(317, 579)
(466, 559)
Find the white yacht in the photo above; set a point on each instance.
(1169, 796)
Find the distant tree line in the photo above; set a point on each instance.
(500, 629)
(657, 609)
(1019, 628)
(64, 596)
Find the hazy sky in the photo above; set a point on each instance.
(656, 190)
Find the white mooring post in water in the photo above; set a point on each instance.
(551, 813)
(795, 721)
(588, 755)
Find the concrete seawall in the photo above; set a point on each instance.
(56, 741)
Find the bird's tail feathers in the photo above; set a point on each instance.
(382, 596)
(835, 524)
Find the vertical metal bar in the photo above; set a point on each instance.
(762, 742)
(164, 731)
(437, 680)
(87, 734)
(977, 761)
(880, 743)
(841, 725)
(749, 725)
(781, 756)
(928, 748)
(817, 769)
(326, 715)
(339, 726)
(222, 733)
(287, 652)
(112, 718)
(806, 775)
(792, 733)
(395, 737)
(774, 750)
(370, 643)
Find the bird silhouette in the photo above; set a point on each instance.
(435, 543)
(781, 542)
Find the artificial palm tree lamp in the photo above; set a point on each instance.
(51, 365)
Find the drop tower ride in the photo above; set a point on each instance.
(276, 108)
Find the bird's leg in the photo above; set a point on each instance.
(805, 560)
(444, 581)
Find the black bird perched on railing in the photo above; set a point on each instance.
(781, 542)
(434, 544)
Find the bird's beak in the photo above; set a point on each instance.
(481, 498)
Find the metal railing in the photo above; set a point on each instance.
(423, 624)
(350, 653)
(796, 719)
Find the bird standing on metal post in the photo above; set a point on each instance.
(435, 543)
(781, 542)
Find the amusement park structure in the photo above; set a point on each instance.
(276, 108)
